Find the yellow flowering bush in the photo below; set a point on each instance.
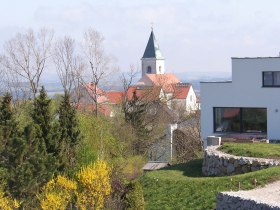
(95, 185)
(89, 192)
(7, 203)
(58, 193)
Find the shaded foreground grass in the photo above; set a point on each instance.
(183, 186)
(261, 150)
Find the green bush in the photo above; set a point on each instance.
(134, 199)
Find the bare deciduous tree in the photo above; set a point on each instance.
(12, 83)
(187, 139)
(126, 80)
(26, 55)
(69, 66)
(99, 64)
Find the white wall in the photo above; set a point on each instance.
(191, 104)
(160, 63)
(245, 90)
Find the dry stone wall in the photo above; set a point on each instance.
(222, 164)
(226, 201)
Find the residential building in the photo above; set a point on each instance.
(246, 107)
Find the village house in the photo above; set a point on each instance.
(154, 84)
(247, 106)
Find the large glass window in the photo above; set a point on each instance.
(227, 119)
(271, 79)
(248, 120)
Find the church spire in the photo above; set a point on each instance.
(152, 49)
(152, 60)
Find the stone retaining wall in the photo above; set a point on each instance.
(221, 164)
(225, 201)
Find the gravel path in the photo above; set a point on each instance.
(270, 194)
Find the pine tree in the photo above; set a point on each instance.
(28, 156)
(42, 119)
(69, 131)
(14, 152)
(7, 121)
(135, 113)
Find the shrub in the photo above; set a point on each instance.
(134, 199)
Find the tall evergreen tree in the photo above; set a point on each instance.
(7, 121)
(69, 131)
(14, 152)
(43, 121)
(135, 111)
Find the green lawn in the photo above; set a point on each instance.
(183, 186)
(262, 150)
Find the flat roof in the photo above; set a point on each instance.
(253, 57)
(229, 81)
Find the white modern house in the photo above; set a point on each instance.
(249, 105)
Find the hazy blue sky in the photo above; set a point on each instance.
(196, 36)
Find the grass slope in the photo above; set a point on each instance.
(183, 186)
(261, 150)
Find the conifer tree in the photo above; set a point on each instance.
(7, 121)
(14, 152)
(43, 122)
(28, 156)
(69, 130)
(135, 112)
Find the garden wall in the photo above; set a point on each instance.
(221, 164)
(232, 202)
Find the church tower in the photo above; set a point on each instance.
(152, 60)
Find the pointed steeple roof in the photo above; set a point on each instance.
(152, 49)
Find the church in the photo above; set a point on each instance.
(177, 95)
(154, 84)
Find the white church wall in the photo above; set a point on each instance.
(160, 66)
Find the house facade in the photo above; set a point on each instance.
(248, 105)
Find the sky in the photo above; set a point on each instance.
(196, 37)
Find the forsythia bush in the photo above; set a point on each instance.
(90, 190)
(95, 185)
(58, 193)
(7, 203)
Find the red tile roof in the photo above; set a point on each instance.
(115, 97)
(145, 93)
(181, 91)
(163, 80)
(101, 98)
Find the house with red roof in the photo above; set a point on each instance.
(154, 84)
(108, 101)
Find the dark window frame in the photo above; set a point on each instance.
(273, 78)
(241, 130)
